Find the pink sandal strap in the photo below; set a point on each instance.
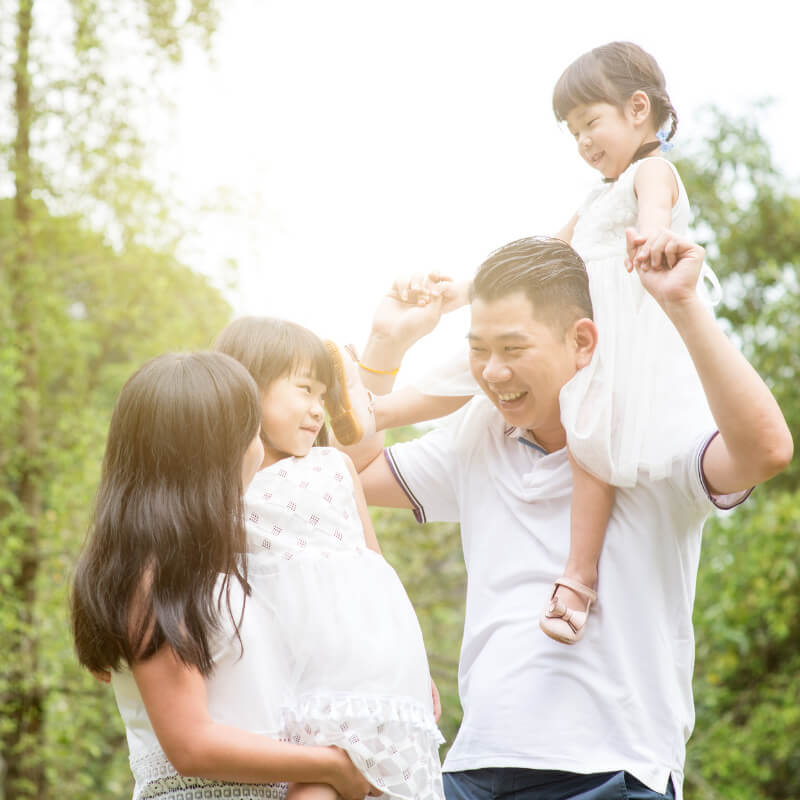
(584, 591)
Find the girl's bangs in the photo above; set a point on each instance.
(310, 355)
(582, 83)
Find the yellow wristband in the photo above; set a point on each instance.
(379, 371)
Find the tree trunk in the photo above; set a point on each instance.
(23, 702)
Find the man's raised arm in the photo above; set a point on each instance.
(396, 326)
(754, 441)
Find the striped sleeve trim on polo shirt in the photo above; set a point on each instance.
(419, 511)
(724, 502)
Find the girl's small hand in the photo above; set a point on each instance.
(348, 782)
(437, 701)
(405, 323)
(418, 288)
(678, 261)
(102, 675)
(641, 252)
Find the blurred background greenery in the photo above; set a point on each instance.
(79, 310)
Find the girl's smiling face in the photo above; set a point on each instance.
(292, 414)
(608, 136)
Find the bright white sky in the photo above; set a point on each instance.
(358, 139)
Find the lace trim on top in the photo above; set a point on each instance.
(157, 779)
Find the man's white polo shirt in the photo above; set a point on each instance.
(621, 699)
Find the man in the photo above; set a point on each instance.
(609, 717)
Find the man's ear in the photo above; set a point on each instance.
(584, 333)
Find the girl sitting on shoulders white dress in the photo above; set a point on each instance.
(640, 400)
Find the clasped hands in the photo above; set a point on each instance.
(667, 264)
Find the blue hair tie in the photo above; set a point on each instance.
(666, 146)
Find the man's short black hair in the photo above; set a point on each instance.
(547, 270)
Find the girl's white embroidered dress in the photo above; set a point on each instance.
(357, 670)
(640, 401)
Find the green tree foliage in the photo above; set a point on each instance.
(107, 311)
(747, 613)
(78, 314)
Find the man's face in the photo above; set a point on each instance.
(521, 363)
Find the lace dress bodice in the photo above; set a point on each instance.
(611, 208)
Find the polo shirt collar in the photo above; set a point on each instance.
(524, 437)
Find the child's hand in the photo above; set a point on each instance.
(639, 247)
(348, 781)
(102, 675)
(418, 288)
(404, 323)
(421, 288)
(667, 265)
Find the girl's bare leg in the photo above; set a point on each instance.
(592, 501)
(311, 791)
(567, 610)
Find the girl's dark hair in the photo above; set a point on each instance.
(271, 348)
(547, 270)
(611, 74)
(168, 516)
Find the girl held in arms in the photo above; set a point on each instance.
(358, 674)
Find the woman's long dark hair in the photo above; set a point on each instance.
(168, 516)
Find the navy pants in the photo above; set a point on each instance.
(504, 783)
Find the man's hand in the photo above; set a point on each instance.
(403, 322)
(418, 288)
(667, 265)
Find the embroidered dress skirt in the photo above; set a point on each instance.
(359, 675)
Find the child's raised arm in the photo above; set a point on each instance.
(656, 193)
(565, 233)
